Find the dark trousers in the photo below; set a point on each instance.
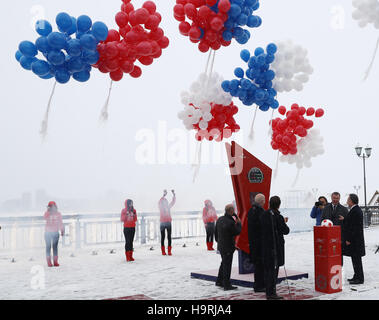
(225, 269)
(259, 275)
(165, 226)
(271, 278)
(51, 240)
(210, 229)
(129, 238)
(358, 268)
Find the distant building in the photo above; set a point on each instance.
(374, 200)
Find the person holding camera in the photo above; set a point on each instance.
(129, 217)
(227, 228)
(165, 220)
(316, 212)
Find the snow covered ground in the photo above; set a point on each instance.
(85, 275)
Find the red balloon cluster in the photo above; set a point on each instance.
(206, 26)
(222, 126)
(139, 38)
(285, 131)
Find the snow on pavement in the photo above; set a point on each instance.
(84, 275)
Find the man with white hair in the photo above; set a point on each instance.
(255, 240)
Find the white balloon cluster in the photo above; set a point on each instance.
(366, 12)
(291, 66)
(197, 102)
(308, 147)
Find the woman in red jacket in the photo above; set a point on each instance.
(165, 220)
(209, 218)
(54, 224)
(129, 217)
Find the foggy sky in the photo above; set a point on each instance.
(82, 159)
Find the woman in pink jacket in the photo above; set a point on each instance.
(209, 218)
(165, 220)
(129, 217)
(54, 224)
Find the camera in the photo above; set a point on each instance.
(318, 204)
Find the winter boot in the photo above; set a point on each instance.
(208, 248)
(211, 246)
(56, 264)
(48, 260)
(131, 255)
(163, 250)
(169, 250)
(127, 256)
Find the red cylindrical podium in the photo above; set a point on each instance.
(327, 252)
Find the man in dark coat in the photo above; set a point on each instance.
(273, 228)
(332, 211)
(255, 238)
(354, 242)
(227, 228)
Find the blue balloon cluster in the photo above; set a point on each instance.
(255, 86)
(240, 15)
(68, 53)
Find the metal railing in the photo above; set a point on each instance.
(371, 216)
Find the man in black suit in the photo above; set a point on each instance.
(227, 228)
(255, 241)
(332, 211)
(354, 242)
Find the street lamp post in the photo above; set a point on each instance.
(364, 154)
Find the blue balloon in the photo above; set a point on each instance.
(18, 55)
(245, 55)
(272, 49)
(88, 42)
(42, 44)
(62, 76)
(40, 68)
(91, 57)
(74, 47)
(56, 57)
(57, 40)
(242, 20)
(26, 62)
(64, 22)
(226, 86)
(239, 73)
(84, 23)
(82, 76)
(235, 10)
(47, 76)
(227, 35)
(73, 28)
(43, 28)
(100, 31)
(75, 65)
(28, 49)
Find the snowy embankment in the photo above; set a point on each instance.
(95, 273)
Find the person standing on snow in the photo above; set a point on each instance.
(209, 218)
(54, 224)
(165, 220)
(129, 217)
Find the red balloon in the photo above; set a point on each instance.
(150, 6)
(319, 113)
(310, 112)
(282, 110)
(122, 19)
(137, 72)
(116, 75)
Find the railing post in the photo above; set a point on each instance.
(77, 234)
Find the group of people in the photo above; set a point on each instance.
(350, 220)
(266, 230)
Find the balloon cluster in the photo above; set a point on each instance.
(255, 86)
(286, 132)
(239, 15)
(291, 66)
(309, 147)
(139, 38)
(366, 12)
(209, 110)
(69, 52)
(214, 23)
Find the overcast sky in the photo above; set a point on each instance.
(81, 159)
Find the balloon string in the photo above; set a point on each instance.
(251, 135)
(104, 112)
(296, 178)
(271, 130)
(276, 166)
(372, 61)
(196, 166)
(45, 121)
(209, 59)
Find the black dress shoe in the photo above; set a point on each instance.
(356, 282)
(352, 279)
(274, 297)
(230, 288)
(260, 290)
(218, 284)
